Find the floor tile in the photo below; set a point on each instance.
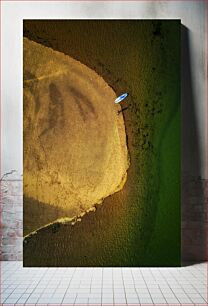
(126, 286)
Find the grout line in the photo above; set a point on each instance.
(147, 287)
(123, 284)
(69, 286)
(135, 286)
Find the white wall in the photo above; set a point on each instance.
(191, 13)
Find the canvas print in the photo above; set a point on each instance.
(101, 110)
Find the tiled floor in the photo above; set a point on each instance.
(96, 286)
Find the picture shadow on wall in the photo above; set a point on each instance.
(193, 232)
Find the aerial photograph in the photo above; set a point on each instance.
(101, 140)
